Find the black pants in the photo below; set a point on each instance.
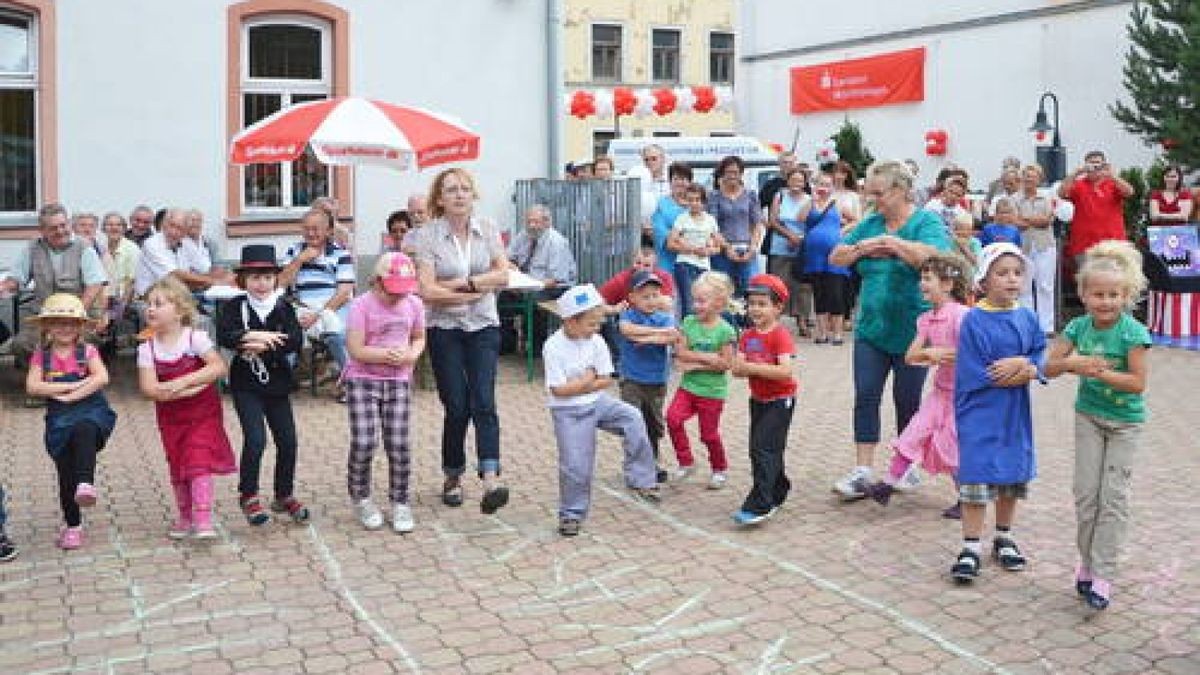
(77, 464)
(769, 424)
(276, 411)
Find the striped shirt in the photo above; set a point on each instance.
(317, 280)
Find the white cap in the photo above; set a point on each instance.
(578, 299)
(991, 253)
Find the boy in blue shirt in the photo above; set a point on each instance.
(645, 333)
(1004, 226)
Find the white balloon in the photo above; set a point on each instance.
(604, 102)
(645, 103)
(685, 99)
(724, 98)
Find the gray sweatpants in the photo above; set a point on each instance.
(575, 430)
(1104, 452)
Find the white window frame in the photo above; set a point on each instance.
(732, 57)
(591, 48)
(286, 89)
(650, 54)
(32, 82)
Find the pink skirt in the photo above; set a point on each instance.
(931, 438)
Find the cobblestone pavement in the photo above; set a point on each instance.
(823, 588)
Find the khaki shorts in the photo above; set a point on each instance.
(982, 493)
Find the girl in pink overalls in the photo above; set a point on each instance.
(178, 368)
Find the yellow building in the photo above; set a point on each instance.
(645, 44)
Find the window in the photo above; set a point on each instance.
(720, 58)
(286, 62)
(600, 139)
(664, 54)
(665, 133)
(606, 53)
(721, 134)
(18, 114)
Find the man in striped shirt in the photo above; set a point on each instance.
(322, 275)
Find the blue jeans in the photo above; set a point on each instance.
(871, 368)
(3, 513)
(464, 366)
(255, 413)
(685, 276)
(739, 272)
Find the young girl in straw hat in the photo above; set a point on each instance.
(70, 374)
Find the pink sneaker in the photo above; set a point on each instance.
(180, 529)
(85, 495)
(70, 538)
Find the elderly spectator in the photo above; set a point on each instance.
(920, 194)
(86, 228)
(170, 251)
(321, 274)
(665, 213)
(655, 182)
(603, 168)
(544, 254)
(1172, 203)
(886, 248)
(829, 284)
(1098, 195)
(195, 231)
(999, 186)
(1035, 213)
(55, 263)
(1010, 186)
(948, 204)
(740, 220)
(141, 224)
(461, 264)
(786, 229)
(418, 214)
(120, 257)
(787, 162)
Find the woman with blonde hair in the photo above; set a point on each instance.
(461, 264)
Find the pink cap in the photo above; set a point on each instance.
(400, 276)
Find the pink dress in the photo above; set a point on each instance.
(931, 437)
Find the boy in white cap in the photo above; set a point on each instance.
(578, 371)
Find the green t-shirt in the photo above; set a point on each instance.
(1095, 397)
(706, 383)
(890, 300)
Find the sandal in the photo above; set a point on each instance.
(493, 499)
(966, 567)
(452, 492)
(1005, 551)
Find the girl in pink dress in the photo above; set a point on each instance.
(178, 368)
(931, 439)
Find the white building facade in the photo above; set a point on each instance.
(106, 105)
(987, 62)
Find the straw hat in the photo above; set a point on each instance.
(61, 306)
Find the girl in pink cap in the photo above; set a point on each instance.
(385, 333)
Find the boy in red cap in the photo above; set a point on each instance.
(765, 356)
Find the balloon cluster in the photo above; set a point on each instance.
(645, 102)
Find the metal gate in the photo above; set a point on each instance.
(600, 218)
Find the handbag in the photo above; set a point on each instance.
(798, 258)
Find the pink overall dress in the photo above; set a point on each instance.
(192, 429)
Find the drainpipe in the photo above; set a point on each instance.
(554, 88)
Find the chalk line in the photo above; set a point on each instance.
(782, 563)
(334, 570)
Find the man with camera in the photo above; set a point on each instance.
(1098, 195)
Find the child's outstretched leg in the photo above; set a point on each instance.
(202, 507)
(283, 431)
(363, 406)
(76, 465)
(769, 424)
(250, 412)
(618, 417)
(1004, 548)
(182, 527)
(681, 410)
(974, 508)
(709, 410)
(84, 444)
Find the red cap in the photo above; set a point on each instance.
(769, 283)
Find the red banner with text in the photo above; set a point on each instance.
(895, 77)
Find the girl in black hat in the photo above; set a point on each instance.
(261, 328)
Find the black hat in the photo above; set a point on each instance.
(258, 258)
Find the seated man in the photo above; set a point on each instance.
(55, 262)
(170, 251)
(544, 254)
(321, 274)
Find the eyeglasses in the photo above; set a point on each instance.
(653, 158)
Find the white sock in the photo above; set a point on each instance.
(974, 547)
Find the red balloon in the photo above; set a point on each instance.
(583, 104)
(706, 99)
(664, 101)
(624, 101)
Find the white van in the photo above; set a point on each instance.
(702, 153)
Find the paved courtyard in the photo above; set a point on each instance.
(824, 588)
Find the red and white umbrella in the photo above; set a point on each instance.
(349, 130)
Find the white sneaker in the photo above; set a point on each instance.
(683, 473)
(911, 479)
(369, 515)
(854, 484)
(717, 481)
(402, 518)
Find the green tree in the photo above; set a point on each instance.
(1162, 76)
(850, 149)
